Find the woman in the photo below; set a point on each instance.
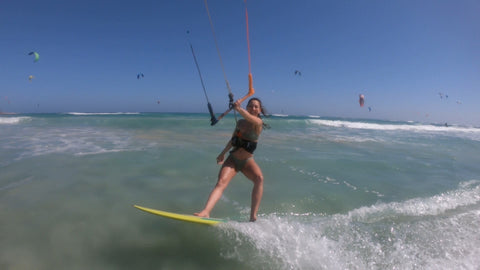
(243, 142)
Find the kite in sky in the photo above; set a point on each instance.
(37, 56)
(361, 100)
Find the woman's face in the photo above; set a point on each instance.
(254, 107)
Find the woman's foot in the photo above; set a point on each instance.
(202, 214)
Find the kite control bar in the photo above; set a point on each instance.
(213, 119)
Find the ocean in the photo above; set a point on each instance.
(338, 194)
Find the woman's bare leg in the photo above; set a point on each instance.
(227, 172)
(253, 172)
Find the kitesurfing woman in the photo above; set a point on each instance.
(243, 142)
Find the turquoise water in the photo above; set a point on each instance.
(339, 194)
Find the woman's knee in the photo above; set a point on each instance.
(258, 179)
(222, 183)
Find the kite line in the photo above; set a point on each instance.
(230, 94)
(213, 119)
(251, 90)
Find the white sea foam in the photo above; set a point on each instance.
(355, 139)
(100, 151)
(392, 127)
(74, 141)
(439, 232)
(467, 194)
(13, 120)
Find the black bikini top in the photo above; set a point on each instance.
(239, 142)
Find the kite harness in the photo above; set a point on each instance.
(246, 142)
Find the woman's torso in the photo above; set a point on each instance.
(249, 132)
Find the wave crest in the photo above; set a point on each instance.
(14, 120)
(439, 232)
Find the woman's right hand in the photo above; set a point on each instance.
(237, 105)
(220, 158)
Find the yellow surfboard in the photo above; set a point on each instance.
(188, 218)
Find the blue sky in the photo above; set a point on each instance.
(399, 54)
